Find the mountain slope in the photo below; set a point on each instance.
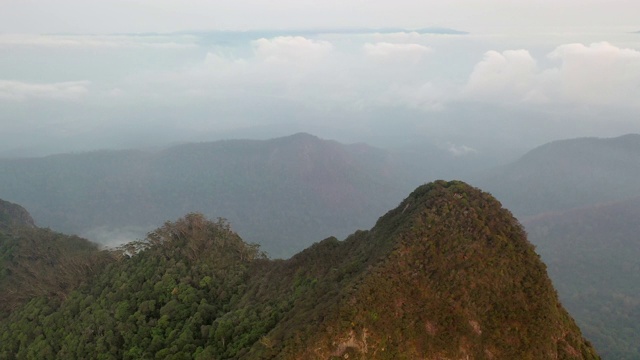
(417, 285)
(566, 174)
(600, 282)
(571, 195)
(39, 262)
(283, 193)
(431, 294)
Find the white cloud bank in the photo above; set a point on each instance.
(385, 51)
(317, 73)
(308, 72)
(598, 74)
(339, 81)
(291, 49)
(21, 91)
(96, 41)
(507, 76)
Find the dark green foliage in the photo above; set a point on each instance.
(39, 262)
(447, 274)
(167, 297)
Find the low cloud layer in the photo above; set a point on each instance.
(187, 85)
(406, 53)
(95, 41)
(81, 16)
(600, 73)
(22, 91)
(291, 49)
(596, 74)
(311, 72)
(380, 72)
(505, 76)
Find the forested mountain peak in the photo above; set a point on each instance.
(446, 274)
(457, 279)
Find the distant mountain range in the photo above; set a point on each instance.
(447, 274)
(284, 193)
(568, 174)
(287, 192)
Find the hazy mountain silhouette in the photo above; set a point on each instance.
(567, 174)
(283, 193)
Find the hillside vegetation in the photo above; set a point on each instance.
(37, 262)
(447, 274)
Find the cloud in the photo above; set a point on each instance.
(510, 75)
(426, 97)
(291, 49)
(461, 150)
(600, 73)
(21, 91)
(294, 75)
(97, 41)
(313, 73)
(412, 53)
(402, 37)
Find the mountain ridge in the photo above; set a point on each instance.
(567, 174)
(416, 285)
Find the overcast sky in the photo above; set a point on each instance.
(80, 75)
(108, 16)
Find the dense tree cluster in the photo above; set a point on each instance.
(39, 262)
